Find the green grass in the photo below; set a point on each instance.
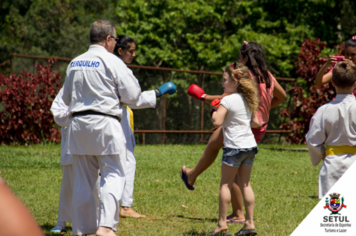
(284, 182)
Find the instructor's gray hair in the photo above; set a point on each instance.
(99, 30)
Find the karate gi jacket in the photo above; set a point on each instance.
(61, 117)
(98, 80)
(333, 124)
(147, 100)
(60, 113)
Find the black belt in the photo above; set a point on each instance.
(90, 112)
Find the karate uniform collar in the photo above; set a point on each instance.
(97, 47)
(121, 60)
(344, 97)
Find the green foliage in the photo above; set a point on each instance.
(282, 179)
(199, 35)
(48, 28)
(206, 35)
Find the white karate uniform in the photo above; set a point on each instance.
(146, 100)
(333, 124)
(61, 117)
(99, 81)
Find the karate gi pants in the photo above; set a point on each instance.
(127, 196)
(65, 195)
(85, 197)
(331, 171)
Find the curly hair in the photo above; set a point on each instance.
(246, 86)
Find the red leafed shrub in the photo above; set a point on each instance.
(306, 103)
(25, 102)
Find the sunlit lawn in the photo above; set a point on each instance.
(284, 182)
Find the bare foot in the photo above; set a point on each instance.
(191, 180)
(105, 231)
(248, 226)
(236, 219)
(218, 230)
(129, 212)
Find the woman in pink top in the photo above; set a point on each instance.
(350, 55)
(271, 94)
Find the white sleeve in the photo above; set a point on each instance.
(225, 101)
(60, 110)
(146, 100)
(128, 87)
(316, 137)
(66, 96)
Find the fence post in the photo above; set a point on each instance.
(164, 110)
(202, 111)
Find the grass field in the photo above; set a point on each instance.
(284, 181)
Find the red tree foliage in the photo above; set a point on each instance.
(25, 102)
(306, 103)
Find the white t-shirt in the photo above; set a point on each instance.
(236, 126)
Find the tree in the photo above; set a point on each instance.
(49, 27)
(308, 99)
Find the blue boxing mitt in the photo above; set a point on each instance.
(165, 88)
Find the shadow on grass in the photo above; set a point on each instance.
(48, 227)
(197, 219)
(194, 233)
(287, 149)
(312, 197)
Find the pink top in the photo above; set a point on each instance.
(265, 96)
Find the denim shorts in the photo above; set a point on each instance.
(236, 157)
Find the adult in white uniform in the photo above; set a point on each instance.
(61, 116)
(97, 85)
(334, 125)
(125, 50)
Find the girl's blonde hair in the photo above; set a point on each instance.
(246, 86)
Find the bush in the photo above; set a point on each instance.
(26, 100)
(306, 103)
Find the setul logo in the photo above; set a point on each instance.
(335, 222)
(335, 206)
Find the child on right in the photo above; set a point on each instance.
(234, 115)
(332, 130)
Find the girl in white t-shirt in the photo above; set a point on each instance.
(234, 114)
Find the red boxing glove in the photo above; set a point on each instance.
(196, 92)
(214, 106)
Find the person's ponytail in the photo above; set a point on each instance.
(256, 62)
